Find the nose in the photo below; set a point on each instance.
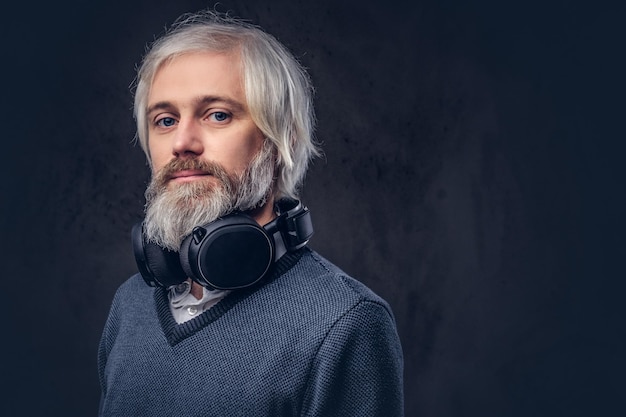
(187, 140)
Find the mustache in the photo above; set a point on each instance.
(170, 169)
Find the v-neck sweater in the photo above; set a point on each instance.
(307, 341)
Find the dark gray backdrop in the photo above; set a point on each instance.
(473, 178)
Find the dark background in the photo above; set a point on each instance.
(473, 178)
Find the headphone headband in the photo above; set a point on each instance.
(293, 222)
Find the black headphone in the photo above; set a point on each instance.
(229, 253)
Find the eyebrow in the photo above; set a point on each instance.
(202, 100)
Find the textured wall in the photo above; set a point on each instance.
(472, 177)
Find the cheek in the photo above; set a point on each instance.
(158, 159)
(242, 149)
(154, 166)
(245, 158)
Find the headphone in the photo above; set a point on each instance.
(229, 253)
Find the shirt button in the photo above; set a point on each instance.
(181, 288)
(192, 310)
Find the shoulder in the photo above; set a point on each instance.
(133, 287)
(357, 366)
(133, 305)
(319, 271)
(131, 296)
(318, 284)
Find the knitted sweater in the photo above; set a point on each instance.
(308, 341)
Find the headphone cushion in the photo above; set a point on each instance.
(183, 257)
(164, 264)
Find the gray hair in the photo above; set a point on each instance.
(277, 88)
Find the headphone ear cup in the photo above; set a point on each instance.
(230, 253)
(164, 264)
(158, 267)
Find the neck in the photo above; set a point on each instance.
(196, 290)
(264, 214)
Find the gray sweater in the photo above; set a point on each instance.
(307, 341)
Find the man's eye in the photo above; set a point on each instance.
(219, 116)
(166, 122)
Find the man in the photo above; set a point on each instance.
(239, 317)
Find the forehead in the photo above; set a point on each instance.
(183, 78)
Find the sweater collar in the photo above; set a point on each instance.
(175, 332)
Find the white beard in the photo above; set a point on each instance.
(172, 212)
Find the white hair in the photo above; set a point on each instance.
(277, 88)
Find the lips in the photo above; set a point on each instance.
(188, 174)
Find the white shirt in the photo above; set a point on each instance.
(184, 306)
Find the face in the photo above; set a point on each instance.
(197, 109)
(208, 156)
